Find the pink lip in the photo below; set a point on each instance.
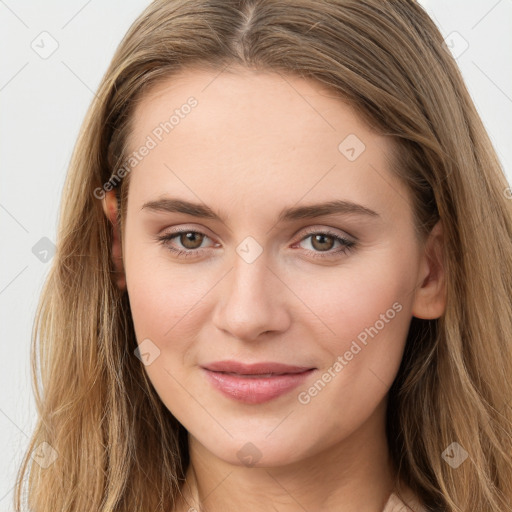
(243, 382)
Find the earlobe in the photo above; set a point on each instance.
(430, 296)
(110, 208)
(109, 203)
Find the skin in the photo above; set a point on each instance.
(254, 144)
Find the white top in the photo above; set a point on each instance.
(395, 504)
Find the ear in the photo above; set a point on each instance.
(430, 297)
(110, 208)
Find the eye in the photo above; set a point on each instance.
(190, 240)
(322, 242)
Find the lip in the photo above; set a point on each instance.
(253, 368)
(255, 383)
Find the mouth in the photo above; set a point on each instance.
(263, 368)
(254, 375)
(255, 383)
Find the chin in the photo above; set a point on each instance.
(258, 450)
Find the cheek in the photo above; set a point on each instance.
(363, 314)
(162, 293)
(163, 299)
(375, 288)
(367, 309)
(163, 302)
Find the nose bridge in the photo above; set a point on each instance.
(250, 303)
(249, 278)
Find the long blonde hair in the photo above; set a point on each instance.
(117, 447)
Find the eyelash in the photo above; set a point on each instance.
(348, 245)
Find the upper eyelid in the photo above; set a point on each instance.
(335, 231)
(308, 232)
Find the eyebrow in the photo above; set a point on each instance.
(311, 211)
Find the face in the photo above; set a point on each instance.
(266, 277)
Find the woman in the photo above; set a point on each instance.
(284, 273)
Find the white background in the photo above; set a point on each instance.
(43, 102)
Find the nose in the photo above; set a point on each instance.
(252, 300)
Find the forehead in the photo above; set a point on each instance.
(242, 96)
(257, 136)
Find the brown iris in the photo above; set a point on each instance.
(193, 239)
(320, 239)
